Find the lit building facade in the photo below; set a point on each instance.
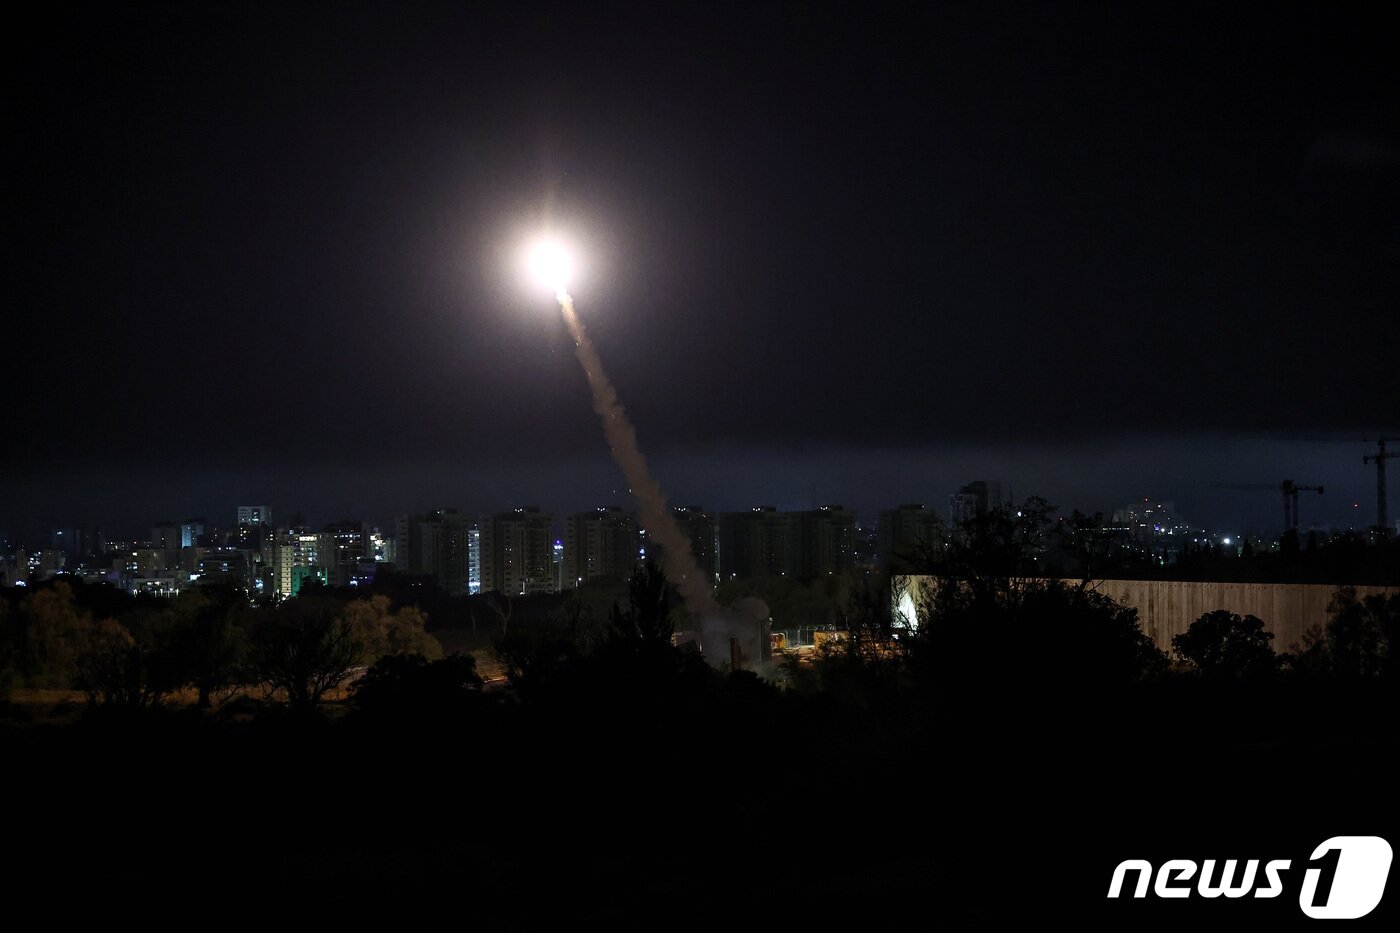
(517, 552)
(254, 515)
(599, 545)
(803, 545)
(437, 544)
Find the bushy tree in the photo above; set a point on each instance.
(1224, 646)
(538, 658)
(992, 548)
(383, 633)
(131, 663)
(1361, 633)
(409, 685)
(633, 658)
(305, 648)
(9, 649)
(1030, 631)
(1087, 635)
(792, 603)
(212, 638)
(1356, 642)
(56, 632)
(864, 664)
(647, 621)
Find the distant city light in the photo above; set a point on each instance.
(1225, 541)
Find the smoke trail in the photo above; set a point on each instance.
(677, 561)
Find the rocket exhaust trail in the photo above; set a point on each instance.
(677, 561)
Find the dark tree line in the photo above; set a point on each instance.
(989, 621)
(990, 607)
(1353, 646)
(137, 652)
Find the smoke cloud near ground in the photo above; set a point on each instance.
(677, 559)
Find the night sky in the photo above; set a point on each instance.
(266, 253)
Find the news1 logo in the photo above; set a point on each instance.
(1345, 878)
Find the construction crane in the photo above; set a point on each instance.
(1290, 492)
(1379, 458)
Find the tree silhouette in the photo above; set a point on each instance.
(794, 603)
(1087, 543)
(213, 642)
(56, 632)
(1088, 636)
(987, 553)
(10, 634)
(132, 663)
(867, 616)
(383, 633)
(1029, 632)
(304, 648)
(1357, 641)
(503, 607)
(1223, 646)
(408, 685)
(635, 664)
(646, 625)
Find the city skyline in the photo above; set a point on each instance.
(603, 530)
(528, 551)
(720, 483)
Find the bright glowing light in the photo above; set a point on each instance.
(551, 265)
(1226, 541)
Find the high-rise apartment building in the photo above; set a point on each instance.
(166, 536)
(435, 543)
(292, 553)
(907, 536)
(517, 552)
(254, 515)
(191, 530)
(83, 541)
(699, 527)
(474, 560)
(827, 541)
(342, 548)
(976, 498)
(802, 545)
(599, 545)
(753, 543)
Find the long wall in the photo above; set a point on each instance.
(1168, 607)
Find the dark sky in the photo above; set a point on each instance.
(270, 253)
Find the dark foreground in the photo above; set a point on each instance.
(755, 805)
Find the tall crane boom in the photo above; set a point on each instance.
(1290, 492)
(1379, 458)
